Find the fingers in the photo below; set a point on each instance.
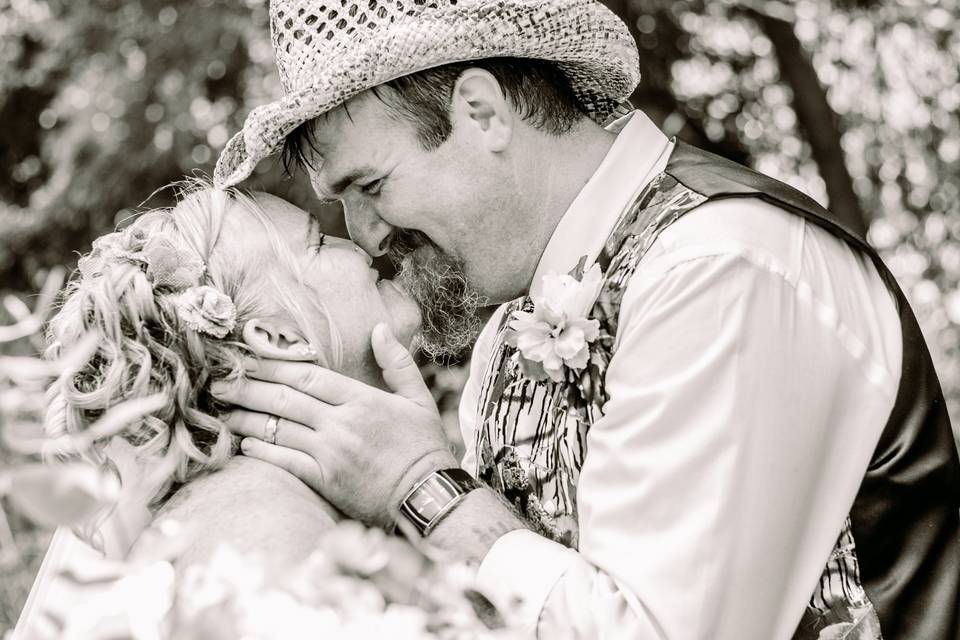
(400, 372)
(274, 399)
(323, 384)
(292, 435)
(294, 462)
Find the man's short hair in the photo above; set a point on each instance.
(539, 91)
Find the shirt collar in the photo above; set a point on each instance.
(639, 152)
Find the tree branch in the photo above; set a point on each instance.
(817, 121)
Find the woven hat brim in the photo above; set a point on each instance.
(602, 70)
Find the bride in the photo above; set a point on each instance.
(178, 299)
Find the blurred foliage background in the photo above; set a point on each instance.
(102, 102)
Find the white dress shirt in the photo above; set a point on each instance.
(756, 364)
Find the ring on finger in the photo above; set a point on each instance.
(270, 429)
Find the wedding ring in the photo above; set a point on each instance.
(270, 430)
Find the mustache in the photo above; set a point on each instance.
(404, 242)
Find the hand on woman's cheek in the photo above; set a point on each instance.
(359, 447)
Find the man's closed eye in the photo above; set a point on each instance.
(371, 188)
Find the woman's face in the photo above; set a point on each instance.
(339, 274)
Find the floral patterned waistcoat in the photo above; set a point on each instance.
(532, 441)
(903, 573)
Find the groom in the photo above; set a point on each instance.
(703, 408)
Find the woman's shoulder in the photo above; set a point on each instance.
(249, 505)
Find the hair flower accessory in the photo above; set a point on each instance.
(107, 248)
(556, 336)
(171, 266)
(206, 310)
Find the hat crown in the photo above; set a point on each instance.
(306, 33)
(328, 51)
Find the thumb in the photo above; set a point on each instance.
(400, 372)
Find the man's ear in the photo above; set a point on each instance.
(480, 104)
(277, 340)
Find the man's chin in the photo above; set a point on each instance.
(435, 279)
(447, 331)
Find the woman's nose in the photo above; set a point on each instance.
(343, 243)
(367, 229)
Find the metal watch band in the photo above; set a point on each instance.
(435, 496)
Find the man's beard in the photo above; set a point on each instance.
(437, 281)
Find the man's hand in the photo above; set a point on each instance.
(359, 447)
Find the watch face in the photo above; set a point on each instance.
(434, 495)
(430, 498)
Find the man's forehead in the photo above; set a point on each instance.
(333, 142)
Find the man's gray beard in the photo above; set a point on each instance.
(436, 280)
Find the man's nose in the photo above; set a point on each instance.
(368, 229)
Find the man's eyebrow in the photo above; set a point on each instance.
(347, 179)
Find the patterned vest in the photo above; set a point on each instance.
(895, 569)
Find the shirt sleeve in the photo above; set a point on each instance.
(738, 429)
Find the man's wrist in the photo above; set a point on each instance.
(480, 519)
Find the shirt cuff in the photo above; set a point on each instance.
(520, 571)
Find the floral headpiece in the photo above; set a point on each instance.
(175, 269)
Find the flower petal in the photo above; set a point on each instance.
(590, 328)
(552, 362)
(206, 310)
(578, 360)
(531, 343)
(569, 342)
(587, 292)
(555, 372)
(172, 266)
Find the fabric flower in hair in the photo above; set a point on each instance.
(171, 266)
(556, 335)
(108, 248)
(206, 310)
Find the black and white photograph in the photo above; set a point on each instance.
(479, 319)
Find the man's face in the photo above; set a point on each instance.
(446, 209)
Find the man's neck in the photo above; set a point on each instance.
(562, 166)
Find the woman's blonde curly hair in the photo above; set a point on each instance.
(145, 348)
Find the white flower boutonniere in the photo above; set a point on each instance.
(556, 336)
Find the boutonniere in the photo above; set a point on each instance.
(556, 338)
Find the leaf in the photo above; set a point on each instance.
(577, 271)
(16, 307)
(61, 495)
(26, 369)
(30, 323)
(23, 437)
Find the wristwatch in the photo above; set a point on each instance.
(434, 497)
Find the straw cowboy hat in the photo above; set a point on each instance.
(328, 51)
